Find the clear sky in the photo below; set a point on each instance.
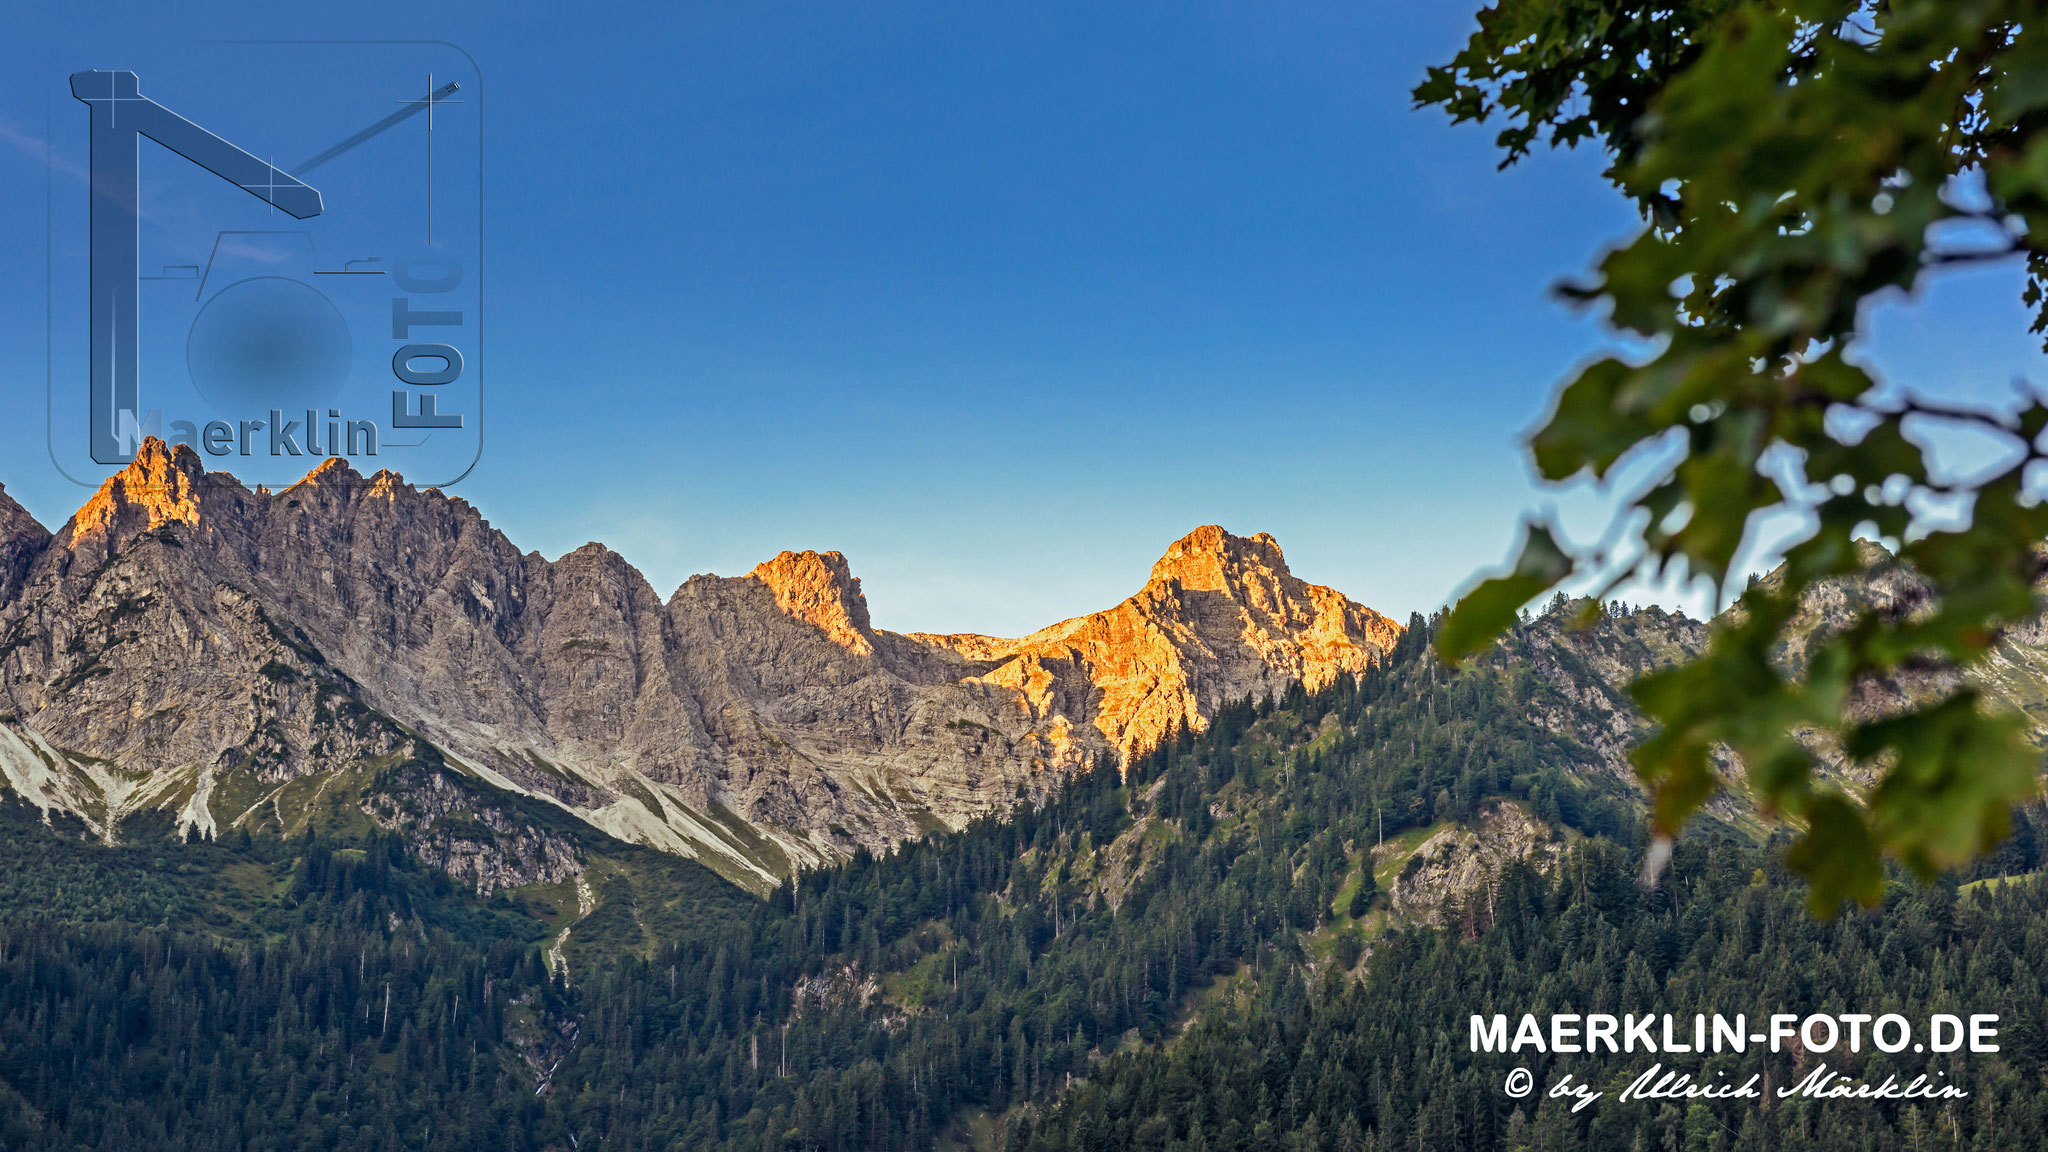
(996, 300)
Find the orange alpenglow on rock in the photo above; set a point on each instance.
(818, 588)
(161, 485)
(1221, 618)
(224, 641)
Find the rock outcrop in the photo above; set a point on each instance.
(1460, 862)
(186, 643)
(1220, 619)
(21, 541)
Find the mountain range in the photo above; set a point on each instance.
(353, 646)
(330, 819)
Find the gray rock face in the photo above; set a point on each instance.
(464, 833)
(1587, 671)
(21, 541)
(188, 644)
(1461, 862)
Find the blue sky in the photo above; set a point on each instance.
(996, 300)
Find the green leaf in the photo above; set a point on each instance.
(1589, 430)
(1490, 609)
(1956, 773)
(1794, 168)
(1837, 856)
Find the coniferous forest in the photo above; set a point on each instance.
(1199, 949)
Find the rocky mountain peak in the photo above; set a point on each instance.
(1210, 559)
(1221, 618)
(161, 485)
(388, 485)
(16, 524)
(333, 470)
(22, 539)
(758, 722)
(820, 589)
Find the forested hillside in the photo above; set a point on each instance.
(1266, 934)
(1384, 1063)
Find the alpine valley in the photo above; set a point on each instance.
(333, 820)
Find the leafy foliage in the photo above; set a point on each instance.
(1794, 161)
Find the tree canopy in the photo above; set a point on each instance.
(1794, 161)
